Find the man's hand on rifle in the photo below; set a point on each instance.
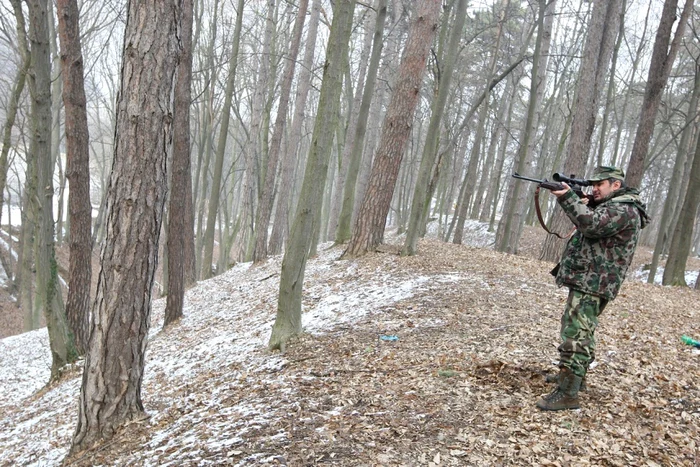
(562, 192)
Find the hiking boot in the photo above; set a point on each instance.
(565, 396)
(554, 378)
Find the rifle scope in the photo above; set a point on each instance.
(560, 177)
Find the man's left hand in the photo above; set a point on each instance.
(562, 192)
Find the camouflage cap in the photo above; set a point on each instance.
(603, 172)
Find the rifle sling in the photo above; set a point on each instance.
(539, 217)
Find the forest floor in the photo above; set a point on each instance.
(435, 359)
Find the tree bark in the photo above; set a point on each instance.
(368, 232)
(180, 220)
(110, 394)
(77, 173)
(662, 58)
(288, 319)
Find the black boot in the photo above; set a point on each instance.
(565, 396)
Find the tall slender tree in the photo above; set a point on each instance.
(681, 241)
(288, 319)
(602, 30)
(662, 58)
(343, 230)
(368, 232)
(421, 192)
(77, 172)
(208, 254)
(267, 196)
(110, 395)
(47, 292)
(180, 220)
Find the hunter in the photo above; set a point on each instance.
(593, 267)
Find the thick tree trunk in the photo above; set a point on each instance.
(180, 228)
(368, 232)
(110, 394)
(602, 32)
(77, 173)
(662, 58)
(267, 199)
(288, 319)
(208, 254)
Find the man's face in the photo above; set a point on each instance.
(603, 188)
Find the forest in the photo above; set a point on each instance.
(149, 148)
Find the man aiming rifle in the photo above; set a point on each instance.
(593, 267)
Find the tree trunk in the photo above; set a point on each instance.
(180, 228)
(662, 58)
(267, 199)
(207, 256)
(674, 273)
(288, 319)
(48, 292)
(602, 32)
(13, 106)
(347, 143)
(343, 229)
(676, 181)
(508, 233)
(422, 194)
(110, 394)
(368, 232)
(77, 173)
(284, 206)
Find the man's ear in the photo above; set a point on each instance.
(616, 185)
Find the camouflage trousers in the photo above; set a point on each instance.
(578, 324)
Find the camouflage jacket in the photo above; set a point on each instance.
(597, 256)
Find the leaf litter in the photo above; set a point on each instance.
(476, 334)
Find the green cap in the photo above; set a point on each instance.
(604, 172)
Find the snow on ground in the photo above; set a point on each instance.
(642, 275)
(221, 339)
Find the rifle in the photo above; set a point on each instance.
(576, 185)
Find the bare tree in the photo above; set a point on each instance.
(674, 273)
(47, 292)
(267, 198)
(77, 172)
(662, 59)
(110, 394)
(180, 220)
(368, 232)
(343, 229)
(205, 270)
(603, 28)
(421, 193)
(288, 319)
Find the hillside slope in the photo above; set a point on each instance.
(477, 331)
